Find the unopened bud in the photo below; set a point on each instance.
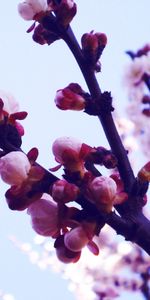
(63, 253)
(101, 191)
(93, 45)
(66, 11)
(63, 191)
(14, 167)
(70, 98)
(76, 239)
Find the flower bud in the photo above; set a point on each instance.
(69, 99)
(44, 216)
(66, 11)
(101, 191)
(89, 42)
(63, 191)
(71, 153)
(65, 147)
(30, 8)
(76, 239)
(14, 167)
(93, 45)
(63, 253)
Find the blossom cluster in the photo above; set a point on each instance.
(53, 208)
(38, 10)
(71, 227)
(50, 215)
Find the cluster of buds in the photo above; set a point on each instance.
(50, 15)
(104, 192)
(93, 45)
(51, 216)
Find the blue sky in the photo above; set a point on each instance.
(32, 73)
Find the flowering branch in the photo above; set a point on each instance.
(99, 197)
(103, 109)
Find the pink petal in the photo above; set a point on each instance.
(93, 248)
(31, 27)
(54, 169)
(33, 154)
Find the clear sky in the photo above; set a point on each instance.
(32, 73)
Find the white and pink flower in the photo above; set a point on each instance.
(76, 239)
(63, 253)
(30, 8)
(71, 153)
(14, 167)
(101, 191)
(44, 216)
(9, 104)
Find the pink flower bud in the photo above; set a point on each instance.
(29, 8)
(102, 191)
(144, 173)
(66, 11)
(44, 216)
(93, 45)
(89, 42)
(14, 167)
(102, 39)
(70, 152)
(76, 239)
(66, 149)
(63, 253)
(63, 191)
(67, 99)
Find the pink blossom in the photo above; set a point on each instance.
(14, 167)
(102, 191)
(10, 105)
(63, 253)
(71, 153)
(63, 191)
(64, 145)
(44, 216)
(76, 239)
(30, 8)
(134, 71)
